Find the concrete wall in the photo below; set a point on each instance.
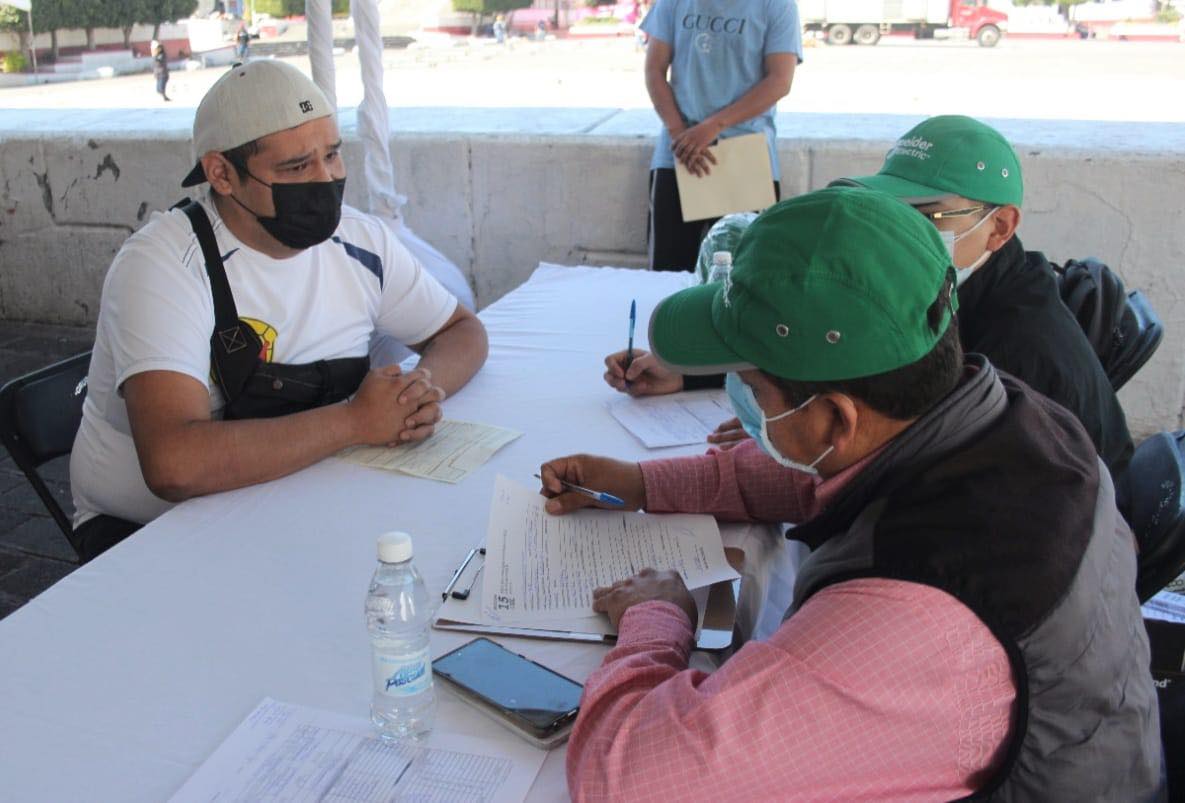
(499, 190)
(76, 37)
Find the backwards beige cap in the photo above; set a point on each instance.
(251, 101)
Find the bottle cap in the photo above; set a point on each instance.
(721, 258)
(394, 547)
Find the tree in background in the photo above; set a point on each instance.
(57, 15)
(122, 14)
(17, 22)
(158, 12)
(480, 9)
(293, 8)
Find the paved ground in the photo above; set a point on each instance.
(34, 554)
(1038, 79)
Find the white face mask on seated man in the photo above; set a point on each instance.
(950, 240)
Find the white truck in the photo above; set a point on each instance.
(863, 22)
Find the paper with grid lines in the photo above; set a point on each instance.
(292, 753)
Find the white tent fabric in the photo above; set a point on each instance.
(319, 16)
(374, 130)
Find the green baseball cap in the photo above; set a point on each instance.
(835, 284)
(945, 156)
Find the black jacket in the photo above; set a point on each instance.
(1010, 311)
(996, 497)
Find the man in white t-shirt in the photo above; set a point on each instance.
(312, 280)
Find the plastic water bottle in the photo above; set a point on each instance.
(721, 266)
(398, 615)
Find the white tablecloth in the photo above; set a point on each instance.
(116, 683)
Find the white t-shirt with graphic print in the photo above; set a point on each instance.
(157, 314)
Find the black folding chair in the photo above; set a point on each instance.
(1136, 339)
(1122, 327)
(1156, 475)
(39, 417)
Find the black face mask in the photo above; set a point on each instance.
(307, 213)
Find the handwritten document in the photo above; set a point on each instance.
(540, 567)
(454, 451)
(675, 420)
(291, 753)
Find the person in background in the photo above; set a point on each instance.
(160, 68)
(966, 622)
(729, 63)
(640, 12)
(242, 42)
(500, 29)
(966, 179)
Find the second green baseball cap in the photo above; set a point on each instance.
(835, 284)
(949, 155)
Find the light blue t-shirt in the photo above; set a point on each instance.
(718, 54)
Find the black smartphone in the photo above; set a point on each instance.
(529, 696)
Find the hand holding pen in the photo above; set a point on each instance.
(596, 496)
(580, 481)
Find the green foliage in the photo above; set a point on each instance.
(13, 20)
(14, 61)
(156, 12)
(489, 6)
(294, 8)
(1168, 15)
(54, 15)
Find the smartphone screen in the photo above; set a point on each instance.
(541, 698)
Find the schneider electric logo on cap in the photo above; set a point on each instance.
(915, 147)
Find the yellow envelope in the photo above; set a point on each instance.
(740, 181)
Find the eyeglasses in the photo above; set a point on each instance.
(934, 217)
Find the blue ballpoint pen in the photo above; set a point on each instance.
(629, 353)
(599, 496)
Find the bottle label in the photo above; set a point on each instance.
(403, 677)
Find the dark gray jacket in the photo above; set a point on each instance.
(997, 497)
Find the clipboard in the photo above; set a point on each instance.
(742, 180)
(717, 603)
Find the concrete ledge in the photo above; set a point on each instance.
(498, 190)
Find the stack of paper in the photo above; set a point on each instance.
(288, 752)
(455, 449)
(1167, 605)
(675, 420)
(541, 569)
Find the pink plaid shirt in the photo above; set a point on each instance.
(875, 689)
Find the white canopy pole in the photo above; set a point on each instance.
(373, 124)
(319, 16)
(375, 132)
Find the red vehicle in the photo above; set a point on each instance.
(863, 22)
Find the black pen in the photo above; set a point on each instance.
(464, 593)
(629, 352)
(457, 574)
